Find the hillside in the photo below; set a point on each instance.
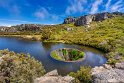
(107, 35)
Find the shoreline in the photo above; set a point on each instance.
(33, 38)
(27, 37)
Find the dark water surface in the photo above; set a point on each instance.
(41, 51)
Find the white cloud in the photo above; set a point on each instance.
(95, 6)
(11, 6)
(15, 9)
(42, 13)
(115, 7)
(5, 24)
(54, 17)
(75, 6)
(107, 5)
(11, 21)
(121, 9)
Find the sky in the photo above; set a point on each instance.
(13, 12)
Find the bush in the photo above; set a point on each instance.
(65, 52)
(19, 68)
(81, 54)
(82, 76)
(112, 61)
(74, 52)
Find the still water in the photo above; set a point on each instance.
(41, 51)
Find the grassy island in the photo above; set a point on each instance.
(67, 54)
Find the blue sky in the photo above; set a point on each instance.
(14, 12)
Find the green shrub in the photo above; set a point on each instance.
(65, 52)
(112, 61)
(82, 76)
(81, 55)
(74, 52)
(19, 68)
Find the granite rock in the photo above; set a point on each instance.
(53, 77)
(87, 19)
(107, 74)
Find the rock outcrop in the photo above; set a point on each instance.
(8, 29)
(84, 20)
(53, 77)
(22, 27)
(106, 73)
(87, 19)
(70, 20)
(28, 27)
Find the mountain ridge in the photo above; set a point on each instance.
(87, 19)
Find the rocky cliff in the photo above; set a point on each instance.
(87, 19)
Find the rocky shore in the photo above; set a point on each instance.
(102, 74)
(107, 73)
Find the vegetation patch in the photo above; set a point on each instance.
(83, 75)
(19, 68)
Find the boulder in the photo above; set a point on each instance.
(84, 20)
(118, 56)
(120, 65)
(53, 77)
(106, 66)
(52, 73)
(69, 29)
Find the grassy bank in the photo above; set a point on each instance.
(27, 37)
